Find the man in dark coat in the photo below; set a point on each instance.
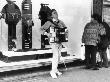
(103, 44)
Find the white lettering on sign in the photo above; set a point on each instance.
(26, 6)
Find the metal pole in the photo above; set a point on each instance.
(102, 10)
(1, 29)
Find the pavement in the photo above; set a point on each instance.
(75, 72)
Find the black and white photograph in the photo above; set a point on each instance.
(54, 40)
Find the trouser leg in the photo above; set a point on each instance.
(56, 57)
(93, 55)
(104, 57)
(100, 53)
(87, 55)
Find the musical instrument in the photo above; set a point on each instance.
(58, 35)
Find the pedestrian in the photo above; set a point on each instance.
(90, 38)
(57, 46)
(103, 45)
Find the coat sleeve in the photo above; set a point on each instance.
(45, 27)
(83, 37)
(84, 33)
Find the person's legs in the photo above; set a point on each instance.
(59, 56)
(87, 56)
(105, 59)
(100, 63)
(93, 57)
(100, 50)
(55, 60)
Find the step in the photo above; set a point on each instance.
(37, 51)
(32, 63)
(29, 55)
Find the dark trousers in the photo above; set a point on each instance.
(103, 55)
(90, 55)
(12, 30)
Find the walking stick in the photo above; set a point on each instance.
(64, 64)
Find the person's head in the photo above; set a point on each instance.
(97, 18)
(54, 14)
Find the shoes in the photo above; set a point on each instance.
(106, 66)
(99, 64)
(59, 73)
(53, 75)
(95, 68)
(88, 67)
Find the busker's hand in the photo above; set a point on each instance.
(49, 35)
(67, 33)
